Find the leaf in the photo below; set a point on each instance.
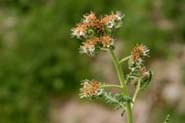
(117, 100)
(110, 99)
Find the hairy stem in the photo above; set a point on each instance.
(122, 83)
(124, 59)
(116, 86)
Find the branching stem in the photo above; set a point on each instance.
(122, 83)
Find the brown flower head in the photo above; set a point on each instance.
(108, 19)
(86, 89)
(90, 88)
(138, 52)
(92, 22)
(112, 20)
(80, 30)
(95, 86)
(106, 41)
(88, 47)
(90, 18)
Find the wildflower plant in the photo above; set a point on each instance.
(96, 35)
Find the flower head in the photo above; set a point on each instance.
(112, 20)
(93, 22)
(80, 30)
(90, 18)
(86, 89)
(90, 88)
(95, 87)
(138, 52)
(106, 41)
(88, 47)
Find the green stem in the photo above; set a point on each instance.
(124, 59)
(122, 83)
(116, 86)
(136, 92)
(119, 71)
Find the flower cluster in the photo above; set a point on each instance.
(90, 88)
(137, 57)
(138, 70)
(90, 45)
(96, 33)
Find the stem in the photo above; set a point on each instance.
(116, 86)
(124, 59)
(136, 92)
(122, 83)
(119, 71)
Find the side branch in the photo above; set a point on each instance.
(107, 86)
(136, 92)
(124, 59)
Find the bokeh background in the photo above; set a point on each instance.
(40, 68)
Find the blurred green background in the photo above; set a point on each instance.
(39, 61)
